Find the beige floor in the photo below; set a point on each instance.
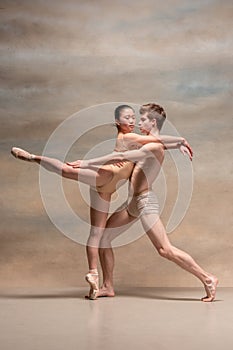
(143, 318)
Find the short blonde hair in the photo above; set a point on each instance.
(154, 111)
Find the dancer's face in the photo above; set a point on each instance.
(127, 120)
(145, 124)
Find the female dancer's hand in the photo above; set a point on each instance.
(186, 150)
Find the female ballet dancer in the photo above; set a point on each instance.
(102, 180)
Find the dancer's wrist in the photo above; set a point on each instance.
(84, 163)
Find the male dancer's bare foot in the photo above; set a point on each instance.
(106, 292)
(22, 154)
(210, 287)
(93, 280)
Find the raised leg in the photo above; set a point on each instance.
(90, 177)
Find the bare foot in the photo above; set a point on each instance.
(210, 287)
(93, 280)
(106, 292)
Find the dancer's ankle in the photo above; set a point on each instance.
(208, 279)
(107, 285)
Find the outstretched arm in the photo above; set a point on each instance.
(112, 158)
(183, 149)
(133, 140)
(143, 140)
(119, 157)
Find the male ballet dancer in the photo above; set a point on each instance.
(144, 204)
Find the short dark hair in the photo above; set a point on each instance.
(154, 111)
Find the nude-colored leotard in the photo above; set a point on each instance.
(119, 174)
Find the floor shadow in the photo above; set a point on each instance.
(152, 294)
(46, 295)
(143, 293)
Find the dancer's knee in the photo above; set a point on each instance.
(97, 232)
(106, 241)
(95, 237)
(166, 252)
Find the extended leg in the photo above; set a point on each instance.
(157, 234)
(90, 177)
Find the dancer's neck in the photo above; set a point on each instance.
(154, 132)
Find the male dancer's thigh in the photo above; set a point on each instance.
(118, 223)
(155, 230)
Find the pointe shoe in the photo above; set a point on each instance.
(93, 295)
(22, 154)
(210, 288)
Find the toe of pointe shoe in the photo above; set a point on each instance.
(14, 151)
(93, 295)
(22, 154)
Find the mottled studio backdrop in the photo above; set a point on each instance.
(58, 57)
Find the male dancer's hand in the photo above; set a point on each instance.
(84, 164)
(186, 144)
(77, 164)
(186, 150)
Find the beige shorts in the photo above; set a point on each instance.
(143, 204)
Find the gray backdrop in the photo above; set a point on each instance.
(58, 57)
